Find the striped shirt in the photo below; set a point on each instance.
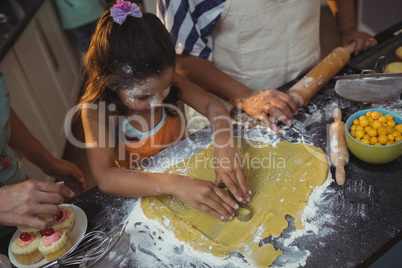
(190, 24)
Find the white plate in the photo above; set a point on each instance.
(78, 232)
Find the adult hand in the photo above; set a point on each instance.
(362, 40)
(229, 172)
(22, 203)
(269, 106)
(64, 170)
(205, 196)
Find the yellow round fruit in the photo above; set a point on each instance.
(376, 129)
(389, 117)
(391, 123)
(396, 133)
(364, 122)
(362, 118)
(382, 131)
(389, 129)
(372, 132)
(359, 133)
(373, 140)
(382, 139)
(376, 124)
(382, 119)
(375, 115)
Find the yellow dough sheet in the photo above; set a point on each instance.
(281, 179)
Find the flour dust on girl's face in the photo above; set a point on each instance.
(147, 96)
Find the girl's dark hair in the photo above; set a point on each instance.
(122, 55)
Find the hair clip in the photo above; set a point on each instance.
(122, 9)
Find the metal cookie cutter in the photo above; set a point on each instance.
(243, 217)
(239, 213)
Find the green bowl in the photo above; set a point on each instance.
(370, 153)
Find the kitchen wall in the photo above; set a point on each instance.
(375, 16)
(150, 6)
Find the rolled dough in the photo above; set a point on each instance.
(394, 67)
(281, 179)
(398, 52)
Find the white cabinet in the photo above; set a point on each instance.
(43, 78)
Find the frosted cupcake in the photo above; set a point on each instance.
(25, 248)
(54, 244)
(65, 219)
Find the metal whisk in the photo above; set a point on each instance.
(96, 241)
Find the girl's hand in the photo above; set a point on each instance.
(64, 170)
(21, 203)
(230, 172)
(205, 196)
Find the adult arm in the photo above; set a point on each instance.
(344, 12)
(24, 143)
(267, 106)
(22, 203)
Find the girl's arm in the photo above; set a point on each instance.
(228, 169)
(202, 195)
(25, 144)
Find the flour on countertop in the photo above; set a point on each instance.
(154, 245)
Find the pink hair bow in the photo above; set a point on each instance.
(122, 9)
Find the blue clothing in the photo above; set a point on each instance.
(190, 24)
(80, 17)
(11, 172)
(76, 13)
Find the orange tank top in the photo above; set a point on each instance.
(134, 152)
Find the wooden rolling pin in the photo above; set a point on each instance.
(339, 149)
(320, 75)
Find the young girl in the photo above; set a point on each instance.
(130, 72)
